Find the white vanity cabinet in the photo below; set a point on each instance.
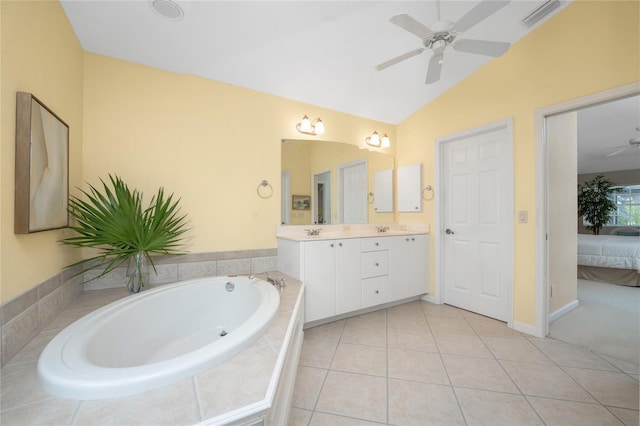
(350, 274)
(408, 266)
(331, 277)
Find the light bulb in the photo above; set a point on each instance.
(318, 127)
(305, 124)
(385, 141)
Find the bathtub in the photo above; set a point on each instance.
(157, 337)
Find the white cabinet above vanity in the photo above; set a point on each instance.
(347, 272)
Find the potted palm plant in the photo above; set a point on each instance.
(114, 222)
(595, 203)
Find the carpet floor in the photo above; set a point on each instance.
(607, 320)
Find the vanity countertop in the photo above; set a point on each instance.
(333, 232)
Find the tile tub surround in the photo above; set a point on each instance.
(23, 317)
(239, 381)
(421, 364)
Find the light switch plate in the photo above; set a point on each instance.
(523, 216)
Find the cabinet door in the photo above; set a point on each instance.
(320, 279)
(408, 266)
(348, 275)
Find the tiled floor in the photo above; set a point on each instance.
(425, 364)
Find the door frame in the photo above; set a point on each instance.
(507, 124)
(541, 325)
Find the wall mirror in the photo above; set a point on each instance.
(340, 180)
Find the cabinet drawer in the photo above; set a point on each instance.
(375, 244)
(375, 291)
(375, 264)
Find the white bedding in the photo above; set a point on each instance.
(609, 251)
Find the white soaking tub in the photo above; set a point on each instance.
(157, 337)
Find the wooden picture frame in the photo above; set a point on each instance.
(42, 167)
(300, 202)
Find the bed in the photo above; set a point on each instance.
(609, 258)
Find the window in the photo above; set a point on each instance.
(627, 200)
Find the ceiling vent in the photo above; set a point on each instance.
(540, 12)
(167, 9)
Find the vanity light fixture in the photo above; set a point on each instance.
(308, 127)
(378, 141)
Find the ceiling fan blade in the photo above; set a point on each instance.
(400, 58)
(435, 66)
(414, 27)
(483, 10)
(616, 152)
(482, 47)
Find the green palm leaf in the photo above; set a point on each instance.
(114, 222)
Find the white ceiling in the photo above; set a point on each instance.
(604, 127)
(324, 53)
(319, 52)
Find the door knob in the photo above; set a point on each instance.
(448, 231)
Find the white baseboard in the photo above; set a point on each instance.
(564, 310)
(527, 329)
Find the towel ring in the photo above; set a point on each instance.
(429, 190)
(266, 193)
(370, 198)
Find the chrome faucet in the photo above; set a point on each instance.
(279, 283)
(382, 228)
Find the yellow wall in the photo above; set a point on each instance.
(40, 55)
(211, 143)
(586, 48)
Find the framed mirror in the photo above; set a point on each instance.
(339, 178)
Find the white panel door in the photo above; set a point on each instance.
(477, 222)
(353, 181)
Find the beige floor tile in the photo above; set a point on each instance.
(493, 408)
(360, 359)
(324, 419)
(20, 386)
(330, 332)
(478, 373)
(416, 340)
(566, 355)
(317, 353)
(354, 395)
(626, 366)
(414, 403)
(485, 326)
(515, 350)
(407, 320)
(457, 325)
(609, 388)
(414, 307)
(432, 310)
(51, 412)
(364, 336)
(299, 417)
(626, 416)
(545, 380)
(373, 319)
(308, 385)
(418, 366)
(461, 344)
(556, 412)
(171, 405)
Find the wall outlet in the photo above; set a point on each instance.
(523, 216)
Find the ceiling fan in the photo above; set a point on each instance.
(444, 34)
(634, 144)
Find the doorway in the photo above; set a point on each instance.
(321, 197)
(543, 202)
(475, 220)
